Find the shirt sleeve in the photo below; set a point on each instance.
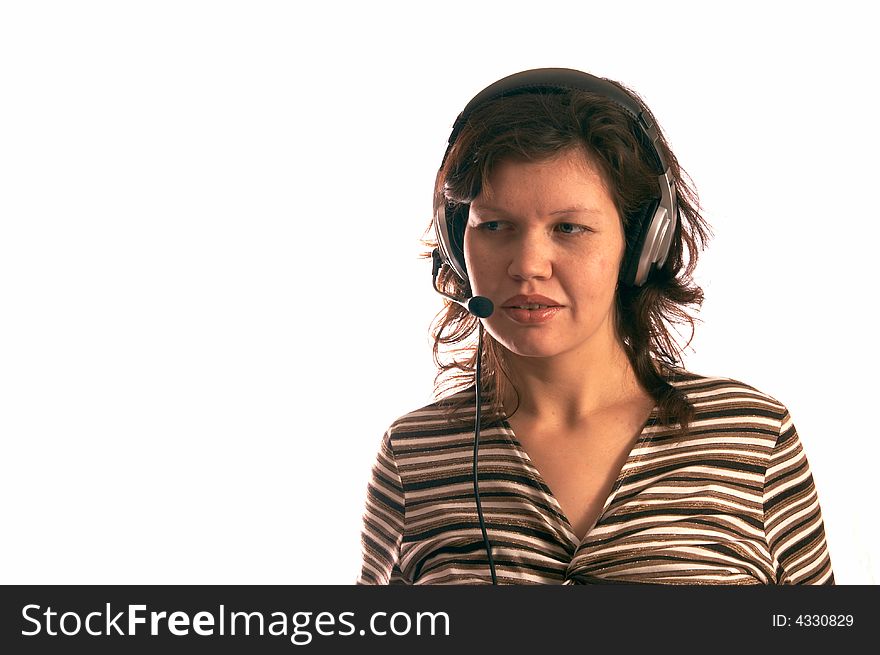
(383, 519)
(792, 516)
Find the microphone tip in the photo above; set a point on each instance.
(480, 306)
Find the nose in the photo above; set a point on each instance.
(531, 257)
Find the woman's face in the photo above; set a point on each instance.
(544, 243)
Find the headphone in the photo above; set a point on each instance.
(654, 224)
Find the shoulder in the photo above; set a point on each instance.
(720, 398)
(446, 416)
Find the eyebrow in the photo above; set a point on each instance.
(576, 209)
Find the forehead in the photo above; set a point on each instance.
(545, 186)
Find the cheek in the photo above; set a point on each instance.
(468, 252)
(595, 279)
(611, 259)
(479, 262)
(609, 266)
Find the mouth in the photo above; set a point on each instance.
(529, 302)
(532, 306)
(532, 313)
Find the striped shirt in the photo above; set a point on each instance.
(731, 502)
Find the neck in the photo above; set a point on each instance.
(572, 386)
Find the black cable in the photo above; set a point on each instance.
(476, 452)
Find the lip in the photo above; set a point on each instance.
(512, 308)
(521, 299)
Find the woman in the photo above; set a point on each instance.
(565, 231)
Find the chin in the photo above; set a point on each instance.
(544, 347)
(536, 354)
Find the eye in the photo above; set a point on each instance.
(572, 228)
(490, 226)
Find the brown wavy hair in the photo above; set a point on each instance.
(538, 126)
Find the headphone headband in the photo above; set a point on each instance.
(558, 80)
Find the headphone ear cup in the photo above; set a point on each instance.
(449, 231)
(641, 222)
(448, 244)
(459, 221)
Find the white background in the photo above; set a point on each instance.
(211, 301)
